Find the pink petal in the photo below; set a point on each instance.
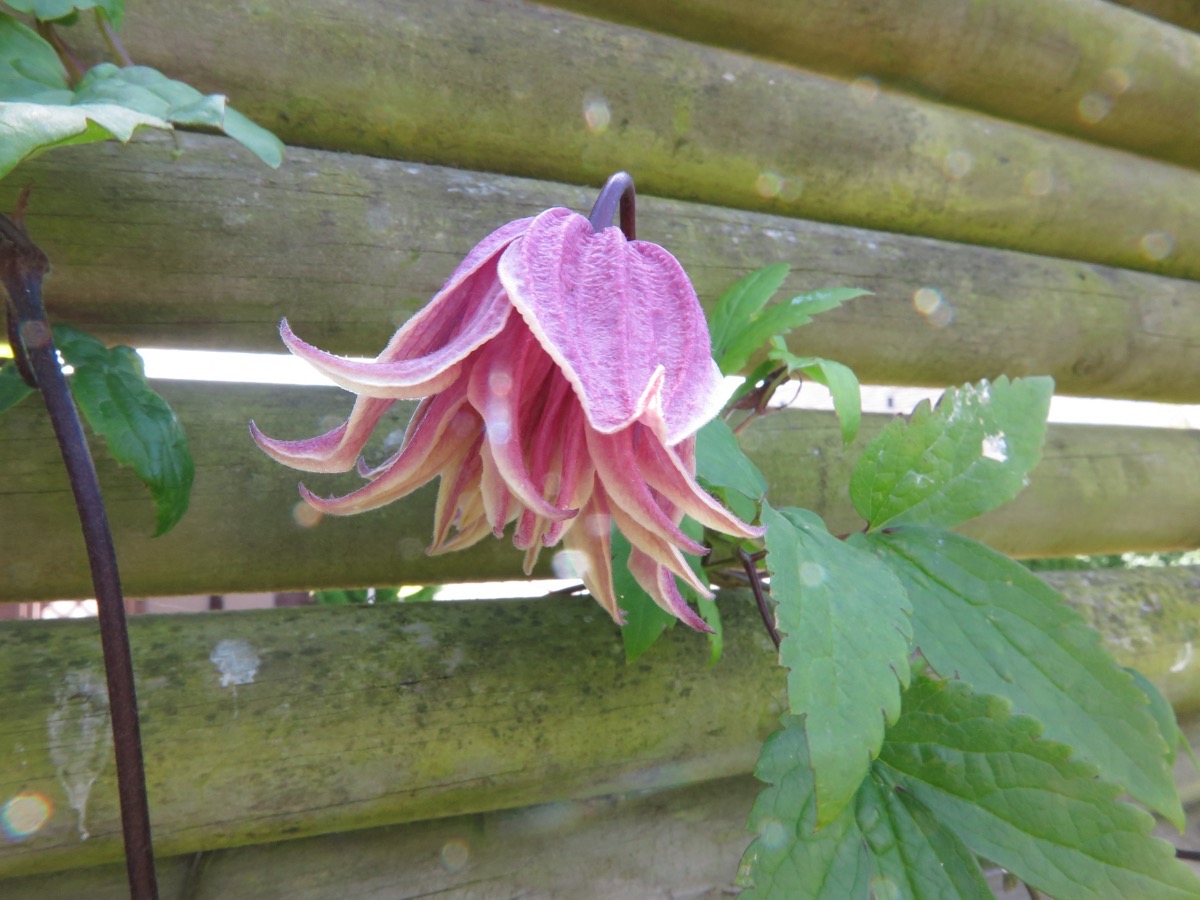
(617, 467)
(667, 474)
(590, 541)
(659, 583)
(411, 376)
(431, 449)
(495, 390)
(458, 302)
(616, 315)
(334, 451)
(459, 479)
(661, 551)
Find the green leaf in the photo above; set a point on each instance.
(840, 379)
(912, 854)
(138, 426)
(985, 619)
(946, 465)
(149, 91)
(13, 388)
(29, 68)
(743, 299)
(1022, 802)
(27, 129)
(844, 618)
(789, 858)
(716, 640)
(759, 328)
(721, 463)
(884, 845)
(54, 10)
(1161, 711)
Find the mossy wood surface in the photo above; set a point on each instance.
(277, 724)
(662, 845)
(1183, 13)
(1078, 67)
(517, 88)
(206, 248)
(1097, 490)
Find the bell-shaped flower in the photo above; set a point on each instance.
(564, 373)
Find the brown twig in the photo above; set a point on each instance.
(75, 68)
(750, 564)
(23, 265)
(110, 38)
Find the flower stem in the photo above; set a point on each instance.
(618, 190)
(22, 267)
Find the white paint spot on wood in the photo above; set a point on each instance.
(1185, 658)
(80, 737)
(237, 663)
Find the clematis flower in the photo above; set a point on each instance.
(564, 372)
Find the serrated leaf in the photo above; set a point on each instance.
(912, 854)
(839, 379)
(13, 388)
(789, 858)
(983, 618)
(846, 635)
(27, 129)
(721, 463)
(756, 330)
(1022, 802)
(148, 91)
(1161, 711)
(883, 845)
(743, 299)
(138, 426)
(947, 465)
(54, 10)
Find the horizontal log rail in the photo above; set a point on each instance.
(207, 248)
(1079, 67)
(1182, 13)
(514, 87)
(277, 724)
(1097, 490)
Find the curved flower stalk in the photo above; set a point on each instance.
(565, 372)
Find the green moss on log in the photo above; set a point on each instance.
(527, 90)
(198, 249)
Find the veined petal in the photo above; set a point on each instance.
(661, 551)
(494, 390)
(616, 466)
(459, 479)
(458, 302)
(334, 451)
(666, 473)
(408, 377)
(432, 448)
(590, 543)
(659, 583)
(613, 313)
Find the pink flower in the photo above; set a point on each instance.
(565, 372)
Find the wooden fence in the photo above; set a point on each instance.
(1035, 164)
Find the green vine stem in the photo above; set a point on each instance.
(22, 267)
